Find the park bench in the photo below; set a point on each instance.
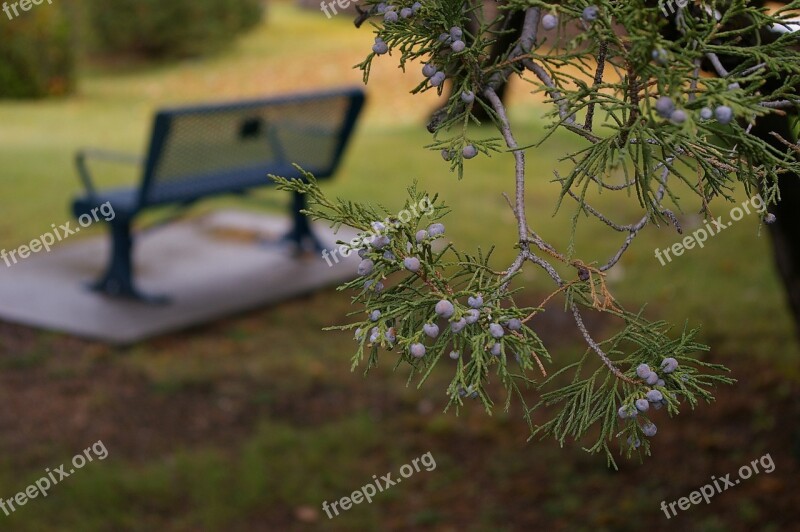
(205, 151)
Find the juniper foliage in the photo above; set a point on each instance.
(602, 83)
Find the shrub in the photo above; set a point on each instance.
(179, 28)
(37, 56)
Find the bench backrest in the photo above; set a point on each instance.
(212, 149)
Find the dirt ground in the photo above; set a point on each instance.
(86, 389)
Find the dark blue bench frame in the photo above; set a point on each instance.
(129, 202)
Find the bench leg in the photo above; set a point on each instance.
(301, 227)
(117, 281)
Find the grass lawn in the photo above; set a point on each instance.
(252, 422)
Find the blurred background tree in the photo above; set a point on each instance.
(39, 48)
(179, 28)
(37, 54)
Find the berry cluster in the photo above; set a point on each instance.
(450, 43)
(652, 396)
(390, 13)
(377, 261)
(665, 108)
(468, 152)
(459, 317)
(454, 38)
(436, 77)
(451, 322)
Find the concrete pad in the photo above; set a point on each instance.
(210, 267)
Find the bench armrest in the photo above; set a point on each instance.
(83, 168)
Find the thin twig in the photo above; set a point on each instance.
(598, 78)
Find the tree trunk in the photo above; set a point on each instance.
(500, 49)
(785, 231)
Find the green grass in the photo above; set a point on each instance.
(729, 287)
(278, 465)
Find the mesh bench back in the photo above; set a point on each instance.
(215, 149)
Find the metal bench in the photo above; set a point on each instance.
(209, 150)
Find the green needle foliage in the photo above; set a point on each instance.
(709, 59)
